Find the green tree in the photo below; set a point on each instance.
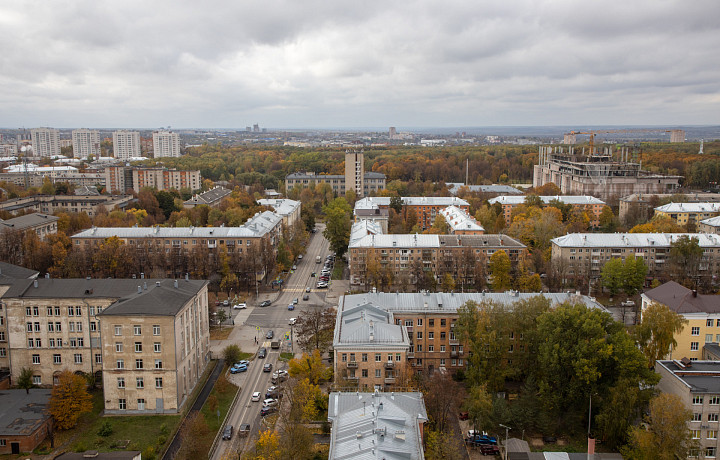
(500, 270)
(337, 230)
(231, 354)
(685, 257)
(69, 400)
(396, 203)
(667, 435)
(655, 335)
(448, 283)
(617, 412)
(608, 222)
(612, 276)
(25, 379)
(442, 446)
(634, 271)
(479, 406)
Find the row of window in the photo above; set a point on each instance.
(73, 326)
(713, 401)
(710, 452)
(140, 382)
(57, 359)
(431, 335)
(122, 404)
(697, 417)
(431, 348)
(711, 434)
(137, 329)
(378, 357)
(55, 311)
(120, 364)
(157, 347)
(74, 342)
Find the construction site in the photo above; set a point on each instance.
(604, 171)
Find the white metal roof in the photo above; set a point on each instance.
(459, 220)
(711, 221)
(637, 240)
(567, 199)
(284, 207)
(689, 207)
(376, 201)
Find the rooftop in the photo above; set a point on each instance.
(370, 326)
(27, 221)
(444, 201)
(454, 188)
(12, 272)
(631, 240)
(284, 207)
(93, 454)
(211, 196)
(313, 176)
(21, 413)
(370, 426)
(683, 300)
(567, 199)
(459, 220)
(689, 207)
(416, 240)
(698, 376)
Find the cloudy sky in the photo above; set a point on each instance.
(325, 63)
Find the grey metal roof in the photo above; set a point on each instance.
(10, 271)
(375, 201)
(459, 220)
(711, 221)
(454, 187)
(700, 377)
(567, 199)
(211, 196)
(22, 413)
(369, 326)
(117, 455)
(374, 426)
(361, 229)
(416, 240)
(27, 221)
(616, 240)
(449, 302)
(284, 207)
(689, 207)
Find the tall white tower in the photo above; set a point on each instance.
(166, 144)
(355, 172)
(45, 142)
(85, 142)
(126, 144)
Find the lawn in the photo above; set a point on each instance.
(338, 269)
(220, 332)
(220, 399)
(286, 356)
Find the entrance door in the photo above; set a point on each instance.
(159, 405)
(15, 446)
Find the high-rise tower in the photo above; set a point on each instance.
(355, 172)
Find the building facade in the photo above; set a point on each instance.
(639, 204)
(166, 144)
(355, 172)
(50, 204)
(289, 209)
(126, 144)
(119, 179)
(589, 204)
(45, 142)
(688, 213)
(41, 224)
(85, 142)
(425, 208)
(373, 182)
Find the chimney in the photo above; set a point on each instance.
(175, 284)
(35, 283)
(139, 289)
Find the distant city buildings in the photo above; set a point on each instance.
(166, 144)
(45, 142)
(41, 224)
(50, 204)
(85, 143)
(126, 144)
(119, 179)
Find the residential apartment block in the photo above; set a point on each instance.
(119, 179)
(45, 142)
(166, 144)
(159, 327)
(697, 383)
(372, 182)
(289, 209)
(593, 206)
(85, 142)
(426, 208)
(711, 225)
(126, 144)
(584, 254)
(460, 222)
(496, 189)
(355, 172)
(212, 198)
(688, 213)
(379, 336)
(41, 224)
(640, 203)
(49, 204)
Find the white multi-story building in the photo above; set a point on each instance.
(85, 142)
(126, 144)
(45, 142)
(166, 144)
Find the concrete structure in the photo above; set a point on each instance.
(597, 175)
(355, 172)
(21, 179)
(376, 426)
(49, 204)
(126, 144)
(119, 179)
(212, 198)
(45, 142)
(460, 222)
(24, 420)
(289, 209)
(688, 213)
(701, 311)
(428, 320)
(593, 206)
(639, 204)
(85, 142)
(495, 189)
(42, 224)
(697, 383)
(584, 254)
(72, 324)
(373, 182)
(166, 144)
(425, 208)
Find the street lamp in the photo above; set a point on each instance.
(507, 428)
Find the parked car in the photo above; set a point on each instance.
(243, 362)
(292, 321)
(267, 367)
(267, 410)
(226, 303)
(227, 433)
(306, 297)
(295, 301)
(255, 397)
(322, 285)
(307, 289)
(270, 334)
(300, 257)
(235, 369)
(273, 392)
(294, 267)
(279, 376)
(240, 306)
(262, 352)
(244, 430)
(291, 307)
(489, 449)
(265, 303)
(464, 416)
(270, 402)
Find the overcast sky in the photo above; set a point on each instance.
(324, 64)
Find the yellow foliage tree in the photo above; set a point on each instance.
(69, 399)
(267, 447)
(309, 366)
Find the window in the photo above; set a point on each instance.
(697, 400)
(3, 352)
(2, 443)
(715, 400)
(71, 327)
(118, 347)
(141, 404)
(78, 311)
(93, 326)
(38, 343)
(156, 329)
(158, 364)
(460, 362)
(431, 335)
(28, 311)
(98, 358)
(378, 357)
(120, 364)
(51, 327)
(364, 357)
(344, 357)
(158, 382)
(443, 335)
(710, 452)
(138, 364)
(36, 311)
(695, 330)
(122, 405)
(37, 380)
(57, 311)
(78, 326)
(419, 335)
(442, 361)
(137, 330)
(442, 348)
(121, 382)
(397, 357)
(419, 348)
(36, 359)
(118, 330)
(708, 338)
(138, 347)
(364, 372)
(157, 347)
(2, 336)
(408, 322)
(92, 311)
(377, 373)
(78, 358)
(28, 327)
(73, 343)
(709, 323)
(443, 322)
(694, 346)
(58, 327)
(71, 311)
(696, 417)
(695, 434)
(419, 322)
(31, 343)
(139, 382)
(431, 323)
(712, 417)
(712, 434)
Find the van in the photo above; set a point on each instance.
(318, 259)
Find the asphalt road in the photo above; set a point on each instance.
(274, 318)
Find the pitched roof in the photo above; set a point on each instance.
(631, 240)
(284, 207)
(454, 188)
(689, 207)
(211, 196)
(459, 220)
(567, 199)
(683, 300)
(711, 221)
(21, 413)
(27, 221)
(369, 326)
(10, 271)
(376, 201)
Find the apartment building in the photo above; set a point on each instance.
(460, 222)
(426, 208)
(495, 189)
(688, 213)
(85, 142)
(424, 332)
(590, 251)
(119, 179)
(697, 383)
(45, 142)
(640, 203)
(593, 206)
(372, 182)
(289, 209)
(166, 144)
(212, 198)
(355, 172)
(710, 225)
(701, 311)
(49, 204)
(41, 224)
(54, 325)
(126, 144)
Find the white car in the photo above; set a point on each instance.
(240, 306)
(292, 321)
(255, 397)
(270, 402)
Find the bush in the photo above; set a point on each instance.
(231, 353)
(164, 429)
(81, 446)
(105, 429)
(149, 453)
(326, 427)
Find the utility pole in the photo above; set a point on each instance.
(507, 428)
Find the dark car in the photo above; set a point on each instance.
(489, 449)
(265, 303)
(267, 367)
(262, 352)
(306, 297)
(267, 410)
(244, 430)
(228, 432)
(269, 335)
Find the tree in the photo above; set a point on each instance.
(231, 353)
(337, 230)
(667, 435)
(656, 332)
(612, 276)
(396, 203)
(25, 379)
(196, 437)
(608, 222)
(314, 330)
(69, 400)
(634, 270)
(448, 283)
(267, 447)
(310, 367)
(443, 396)
(479, 406)
(500, 270)
(617, 412)
(685, 258)
(442, 446)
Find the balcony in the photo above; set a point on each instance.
(454, 341)
(453, 354)
(409, 328)
(389, 380)
(352, 364)
(389, 365)
(411, 355)
(353, 377)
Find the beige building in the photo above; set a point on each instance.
(126, 144)
(373, 182)
(289, 209)
(355, 172)
(119, 179)
(589, 204)
(85, 142)
(639, 204)
(688, 213)
(166, 144)
(426, 208)
(49, 204)
(42, 224)
(45, 142)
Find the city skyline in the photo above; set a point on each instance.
(314, 65)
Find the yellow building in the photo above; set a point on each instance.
(701, 311)
(684, 213)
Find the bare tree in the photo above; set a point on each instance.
(315, 329)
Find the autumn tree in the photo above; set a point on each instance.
(685, 257)
(441, 446)
(500, 270)
(666, 436)
(267, 447)
(25, 379)
(231, 354)
(314, 330)
(655, 335)
(196, 438)
(311, 367)
(337, 230)
(69, 400)
(443, 397)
